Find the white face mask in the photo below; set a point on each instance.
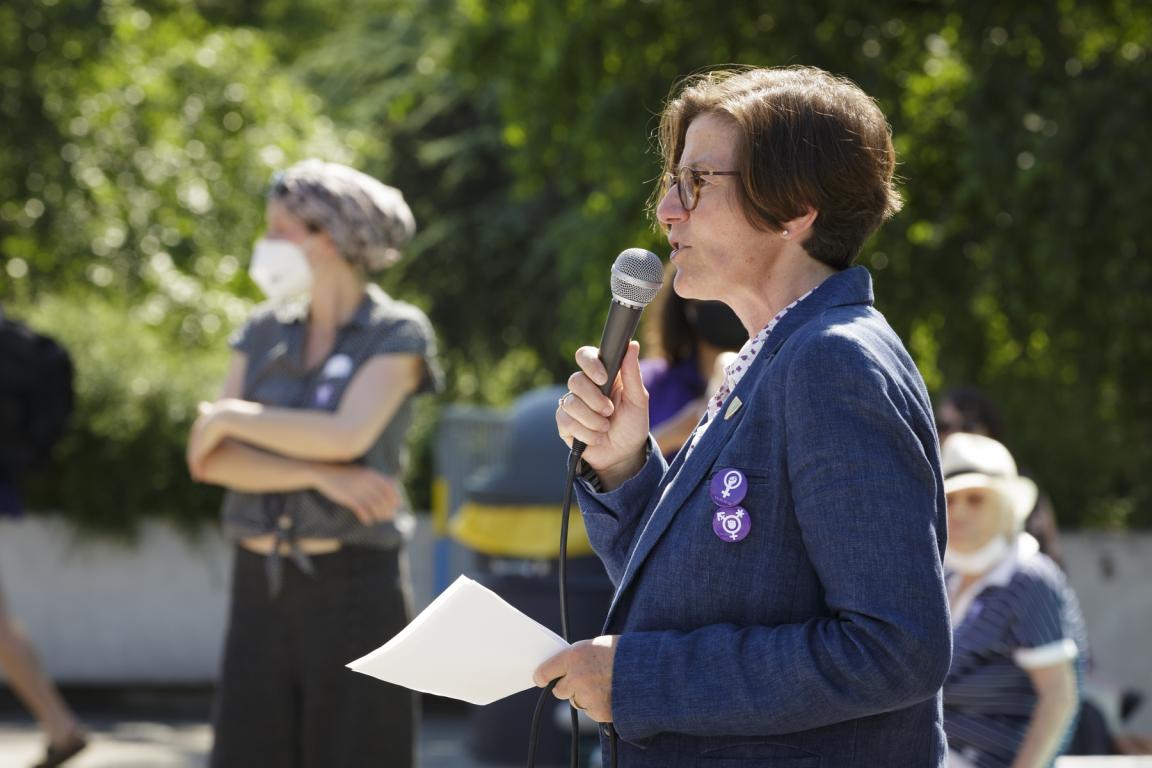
(980, 561)
(280, 268)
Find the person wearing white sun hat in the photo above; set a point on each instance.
(1011, 696)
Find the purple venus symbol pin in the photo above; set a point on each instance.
(728, 487)
(731, 523)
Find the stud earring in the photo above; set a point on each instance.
(784, 234)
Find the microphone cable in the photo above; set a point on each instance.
(637, 276)
(562, 571)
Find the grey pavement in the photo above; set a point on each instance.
(148, 743)
(134, 735)
(119, 743)
(166, 741)
(160, 740)
(131, 743)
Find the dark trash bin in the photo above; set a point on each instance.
(511, 521)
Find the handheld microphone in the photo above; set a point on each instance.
(637, 275)
(636, 279)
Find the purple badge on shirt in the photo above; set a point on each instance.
(323, 394)
(731, 523)
(728, 487)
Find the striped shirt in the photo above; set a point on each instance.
(273, 341)
(1021, 615)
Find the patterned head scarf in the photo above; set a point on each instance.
(367, 220)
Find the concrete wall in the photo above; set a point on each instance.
(105, 613)
(1112, 576)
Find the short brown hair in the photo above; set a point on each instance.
(810, 140)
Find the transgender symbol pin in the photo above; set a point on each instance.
(731, 523)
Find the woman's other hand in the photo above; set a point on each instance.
(585, 673)
(372, 496)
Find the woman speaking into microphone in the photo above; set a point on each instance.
(779, 591)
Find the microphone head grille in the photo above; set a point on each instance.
(637, 275)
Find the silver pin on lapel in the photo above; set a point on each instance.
(732, 408)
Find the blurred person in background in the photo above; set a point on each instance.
(308, 437)
(697, 340)
(36, 401)
(37, 691)
(968, 409)
(1012, 693)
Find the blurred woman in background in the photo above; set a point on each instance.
(969, 409)
(37, 691)
(1012, 693)
(308, 437)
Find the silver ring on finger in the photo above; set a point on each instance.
(564, 399)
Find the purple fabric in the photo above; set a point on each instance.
(670, 388)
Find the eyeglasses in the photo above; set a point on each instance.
(688, 182)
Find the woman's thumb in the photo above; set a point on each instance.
(630, 377)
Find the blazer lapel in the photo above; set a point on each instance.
(680, 480)
(852, 286)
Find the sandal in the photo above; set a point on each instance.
(57, 754)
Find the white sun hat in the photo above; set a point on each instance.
(975, 461)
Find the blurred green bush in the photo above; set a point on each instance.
(136, 143)
(136, 394)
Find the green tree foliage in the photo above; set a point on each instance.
(478, 261)
(135, 138)
(136, 396)
(1031, 221)
(162, 141)
(1016, 264)
(135, 150)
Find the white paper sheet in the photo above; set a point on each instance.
(467, 644)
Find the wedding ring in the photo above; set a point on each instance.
(564, 398)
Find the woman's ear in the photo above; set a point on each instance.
(321, 247)
(798, 228)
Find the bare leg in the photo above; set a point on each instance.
(27, 679)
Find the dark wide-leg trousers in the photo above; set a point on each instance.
(286, 698)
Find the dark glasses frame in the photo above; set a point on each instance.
(688, 182)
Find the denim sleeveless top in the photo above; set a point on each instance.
(273, 341)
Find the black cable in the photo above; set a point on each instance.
(562, 570)
(535, 732)
(570, 481)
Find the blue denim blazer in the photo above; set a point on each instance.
(822, 638)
